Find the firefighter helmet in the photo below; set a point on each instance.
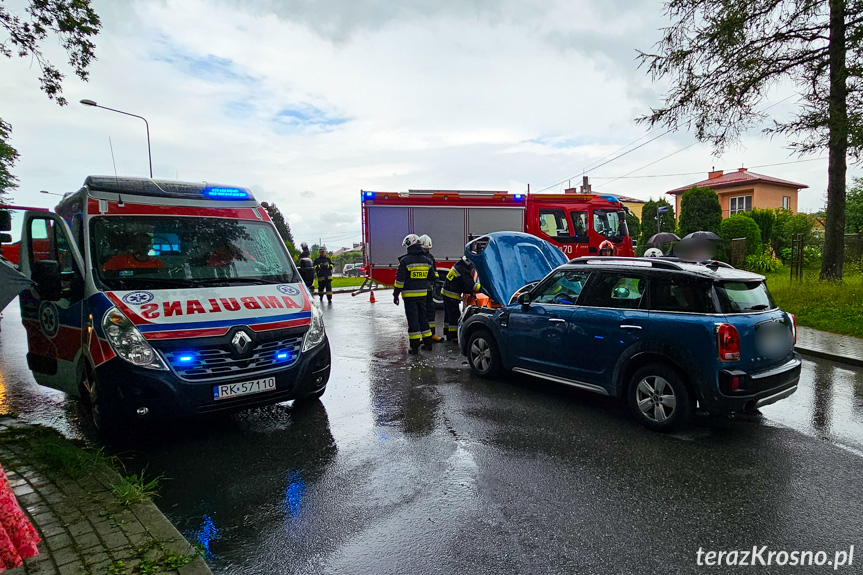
(653, 253)
(425, 242)
(410, 240)
(304, 246)
(606, 247)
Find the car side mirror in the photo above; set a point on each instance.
(524, 298)
(46, 274)
(5, 221)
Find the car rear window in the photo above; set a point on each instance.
(744, 297)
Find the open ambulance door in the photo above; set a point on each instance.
(51, 311)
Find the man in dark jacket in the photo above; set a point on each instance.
(431, 309)
(412, 284)
(459, 280)
(324, 271)
(306, 267)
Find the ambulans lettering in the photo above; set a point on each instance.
(172, 308)
(229, 303)
(270, 301)
(194, 306)
(250, 303)
(150, 310)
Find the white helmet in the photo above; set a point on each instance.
(410, 240)
(425, 242)
(653, 253)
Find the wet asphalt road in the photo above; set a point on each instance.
(413, 465)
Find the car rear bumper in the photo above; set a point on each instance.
(757, 389)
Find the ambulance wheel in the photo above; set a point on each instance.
(106, 423)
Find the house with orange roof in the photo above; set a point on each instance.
(742, 191)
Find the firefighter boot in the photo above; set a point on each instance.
(415, 347)
(427, 343)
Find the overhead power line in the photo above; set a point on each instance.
(628, 177)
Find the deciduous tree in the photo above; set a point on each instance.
(722, 59)
(74, 24)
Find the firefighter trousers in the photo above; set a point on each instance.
(451, 314)
(325, 286)
(430, 311)
(418, 328)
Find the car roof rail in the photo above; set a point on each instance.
(659, 263)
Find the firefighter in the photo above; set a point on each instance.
(459, 280)
(431, 311)
(324, 271)
(606, 248)
(307, 267)
(412, 283)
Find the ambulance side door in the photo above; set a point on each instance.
(51, 311)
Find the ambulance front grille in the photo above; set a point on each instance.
(217, 362)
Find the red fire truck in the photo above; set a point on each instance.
(577, 223)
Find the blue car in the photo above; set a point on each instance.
(664, 335)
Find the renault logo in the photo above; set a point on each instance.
(241, 342)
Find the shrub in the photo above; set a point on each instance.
(741, 226)
(699, 210)
(765, 220)
(762, 263)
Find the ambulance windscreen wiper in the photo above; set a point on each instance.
(151, 282)
(243, 281)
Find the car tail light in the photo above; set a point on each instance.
(728, 342)
(793, 326)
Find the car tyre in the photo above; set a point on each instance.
(483, 355)
(659, 399)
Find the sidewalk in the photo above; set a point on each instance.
(83, 525)
(841, 348)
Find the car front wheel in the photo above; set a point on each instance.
(483, 354)
(659, 399)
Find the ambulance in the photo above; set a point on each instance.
(160, 299)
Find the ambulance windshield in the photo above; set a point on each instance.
(152, 252)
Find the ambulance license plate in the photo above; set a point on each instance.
(245, 388)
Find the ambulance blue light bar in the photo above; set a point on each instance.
(226, 193)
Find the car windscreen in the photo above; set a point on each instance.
(610, 224)
(152, 252)
(743, 297)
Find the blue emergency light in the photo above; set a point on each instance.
(283, 355)
(611, 199)
(369, 195)
(186, 358)
(518, 196)
(226, 193)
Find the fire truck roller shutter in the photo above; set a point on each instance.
(446, 228)
(483, 221)
(387, 228)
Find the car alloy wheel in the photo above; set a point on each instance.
(483, 354)
(480, 354)
(659, 398)
(656, 399)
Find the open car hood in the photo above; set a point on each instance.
(507, 261)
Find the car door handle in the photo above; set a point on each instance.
(557, 319)
(626, 326)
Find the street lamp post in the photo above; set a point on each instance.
(93, 104)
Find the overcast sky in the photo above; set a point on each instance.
(308, 102)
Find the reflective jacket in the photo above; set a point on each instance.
(412, 277)
(459, 280)
(324, 268)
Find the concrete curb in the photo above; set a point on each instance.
(831, 356)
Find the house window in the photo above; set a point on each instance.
(740, 204)
(786, 202)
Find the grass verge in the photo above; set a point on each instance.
(828, 306)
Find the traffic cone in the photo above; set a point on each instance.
(372, 297)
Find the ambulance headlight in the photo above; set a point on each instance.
(316, 332)
(128, 343)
